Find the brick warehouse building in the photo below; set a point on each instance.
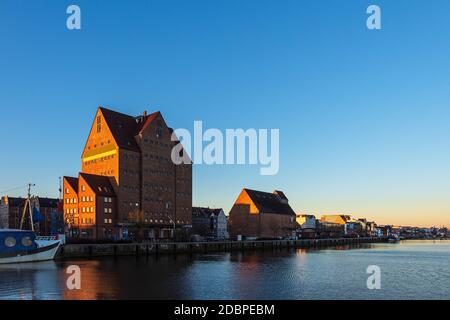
(258, 214)
(128, 183)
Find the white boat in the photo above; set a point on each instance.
(20, 246)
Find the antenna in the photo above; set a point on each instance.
(28, 204)
(60, 188)
(30, 185)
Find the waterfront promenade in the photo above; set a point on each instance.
(147, 249)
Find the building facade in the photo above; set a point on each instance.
(306, 226)
(257, 214)
(151, 195)
(211, 223)
(50, 209)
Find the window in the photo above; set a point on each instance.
(99, 124)
(83, 188)
(106, 210)
(10, 242)
(26, 241)
(67, 191)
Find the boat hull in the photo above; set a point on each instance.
(40, 254)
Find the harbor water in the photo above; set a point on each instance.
(408, 270)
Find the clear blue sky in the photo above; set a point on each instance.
(363, 115)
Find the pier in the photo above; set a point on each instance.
(147, 249)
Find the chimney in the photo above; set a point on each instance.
(145, 113)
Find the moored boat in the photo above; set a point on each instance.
(19, 246)
(394, 238)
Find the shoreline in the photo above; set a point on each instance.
(69, 251)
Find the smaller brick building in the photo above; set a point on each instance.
(259, 214)
(90, 207)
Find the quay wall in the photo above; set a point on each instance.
(145, 249)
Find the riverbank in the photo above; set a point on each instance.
(147, 249)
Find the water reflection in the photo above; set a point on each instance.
(30, 281)
(410, 270)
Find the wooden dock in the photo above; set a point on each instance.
(146, 249)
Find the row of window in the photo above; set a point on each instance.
(87, 221)
(105, 158)
(107, 221)
(156, 157)
(131, 204)
(168, 221)
(130, 156)
(11, 242)
(87, 199)
(161, 173)
(87, 210)
(147, 141)
(71, 200)
(130, 172)
(156, 187)
(107, 173)
(101, 143)
(158, 173)
(130, 188)
(183, 194)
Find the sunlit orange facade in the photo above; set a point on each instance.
(148, 189)
(259, 214)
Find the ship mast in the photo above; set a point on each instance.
(26, 206)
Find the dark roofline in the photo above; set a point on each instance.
(278, 206)
(93, 179)
(73, 182)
